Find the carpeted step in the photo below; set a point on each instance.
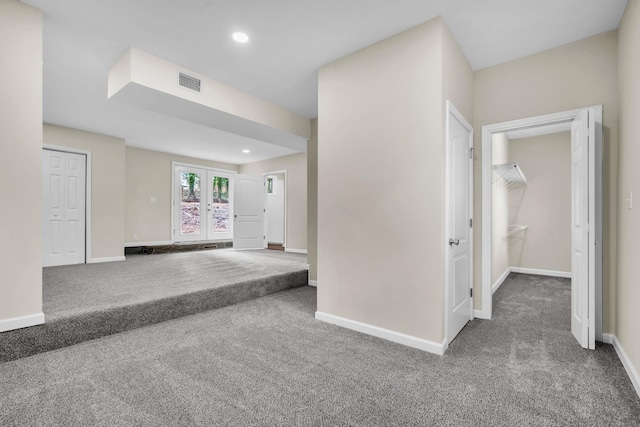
(67, 331)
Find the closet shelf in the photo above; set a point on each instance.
(515, 229)
(511, 174)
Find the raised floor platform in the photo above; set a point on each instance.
(88, 301)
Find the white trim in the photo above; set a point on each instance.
(500, 280)
(626, 362)
(296, 251)
(21, 322)
(159, 243)
(487, 131)
(478, 314)
(397, 337)
(106, 259)
(540, 272)
(87, 189)
(313, 283)
(608, 338)
(451, 110)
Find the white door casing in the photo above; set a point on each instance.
(459, 244)
(64, 208)
(586, 302)
(249, 212)
(582, 254)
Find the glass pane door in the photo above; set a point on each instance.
(191, 220)
(220, 206)
(204, 204)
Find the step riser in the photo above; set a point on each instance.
(65, 332)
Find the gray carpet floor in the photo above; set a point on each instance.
(77, 289)
(89, 301)
(268, 362)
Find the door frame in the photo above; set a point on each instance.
(595, 201)
(87, 190)
(451, 110)
(286, 194)
(174, 225)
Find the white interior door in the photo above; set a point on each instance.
(582, 255)
(459, 233)
(249, 212)
(64, 212)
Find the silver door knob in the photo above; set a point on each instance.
(454, 242)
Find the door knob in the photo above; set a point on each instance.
(454, 242)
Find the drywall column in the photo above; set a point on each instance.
(381, 189)
(628, 292)
(21, 172)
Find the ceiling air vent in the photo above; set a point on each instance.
(189, 82)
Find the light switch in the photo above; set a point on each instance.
(152, 199)
(630, 200)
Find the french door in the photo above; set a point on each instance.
(203, 204)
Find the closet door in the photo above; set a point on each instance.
(64, 213)
(582, 254)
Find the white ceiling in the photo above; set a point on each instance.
(290, 40)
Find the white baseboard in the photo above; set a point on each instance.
(400, 338)
(607, 338)
(159, 243)
(626, 362)
(296, 251)
(479, 314)
(108, 259)
(539, 272)
(500, 280)
(21, 322)
(313, 283)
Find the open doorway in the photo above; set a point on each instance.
(275, 210)
(508, 235)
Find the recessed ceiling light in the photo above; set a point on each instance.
(246, 151)
(240, 37)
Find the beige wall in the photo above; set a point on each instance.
(500, 210)
(628, 291)
(457, 77)
(107, 186)
(21, 172)
(580, 74)
(296, 167)
(148, 174)
(545, 206)
(312, 202)
(381, 181)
